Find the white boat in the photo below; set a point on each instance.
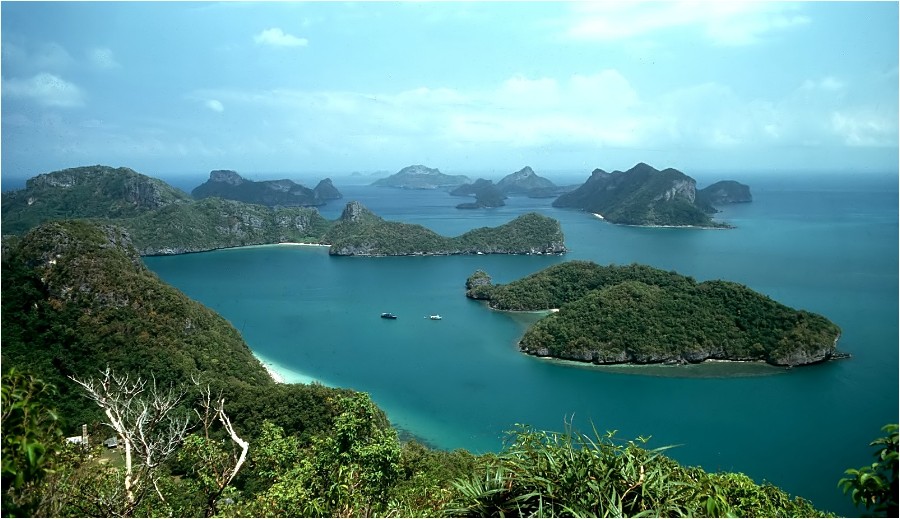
(435, 317)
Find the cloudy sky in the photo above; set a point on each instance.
(171, 88)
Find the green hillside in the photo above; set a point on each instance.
(639, 314)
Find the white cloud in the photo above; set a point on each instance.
(827, 83)
(215, 105)
(278, 38)
(865, 127)
(45, 89)
(102, 57)
(724, 23)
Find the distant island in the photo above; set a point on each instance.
(724, 192)
(359, 232)
(642, 195)
(528, 183)
(637, 314)
(162, 220)
(421, 177)
(230, 185)
(485, 192)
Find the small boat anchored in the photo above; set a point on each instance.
(388, 315)
(435, 317)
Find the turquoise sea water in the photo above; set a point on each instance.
(827, 246)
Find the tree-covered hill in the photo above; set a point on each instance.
(77, 299)
(359, 232)
(85, 192)
(639, 314)
(214, 223)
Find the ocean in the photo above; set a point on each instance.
(824, 243)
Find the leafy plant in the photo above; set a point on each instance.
(875, 486)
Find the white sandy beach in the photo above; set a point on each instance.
(283, 375)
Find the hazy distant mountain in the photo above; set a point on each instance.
(421, 177)
(229, 185)
(642, 195)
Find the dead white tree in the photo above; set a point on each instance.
(142, 416)
(210, 410)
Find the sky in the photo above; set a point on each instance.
(467, 87)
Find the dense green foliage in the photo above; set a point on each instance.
(640, 314)
(875, 486)
(640, 196)
(548, 474)
(360, 232)
(214, 223)
(31, 436)
(76, 299)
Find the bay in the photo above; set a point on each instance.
(825, 244)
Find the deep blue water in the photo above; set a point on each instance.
(826, 245)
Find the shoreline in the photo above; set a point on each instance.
(283, 375)
(726, 226)
(709, 368)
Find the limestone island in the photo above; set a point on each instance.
(643, 196)
(229, 185)
(486, 195)
(638, 314)
(162, 220)
(359, 232)
(421, 177)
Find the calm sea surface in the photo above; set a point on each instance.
(828, 246)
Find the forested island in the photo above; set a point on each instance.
(421, 177)
(87, 328)
(230, 185)
(163, 220)
(359, 232)
(644, 195)
(642, 315)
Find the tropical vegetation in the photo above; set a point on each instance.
(640, 314)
